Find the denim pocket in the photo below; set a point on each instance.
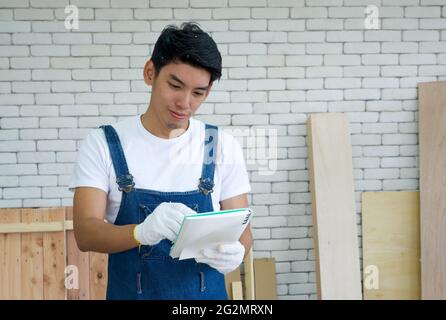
(162, 249)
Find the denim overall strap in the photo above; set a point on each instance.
(123, 178)
(206, 184)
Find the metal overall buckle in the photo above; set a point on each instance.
(206, 186)
(126, 178)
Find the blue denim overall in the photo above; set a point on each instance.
(148, 272)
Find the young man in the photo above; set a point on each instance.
(144, 174)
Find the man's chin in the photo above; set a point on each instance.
(182, 124)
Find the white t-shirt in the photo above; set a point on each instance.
(159, 164)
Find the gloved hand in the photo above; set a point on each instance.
(163, 223)
(224, 257)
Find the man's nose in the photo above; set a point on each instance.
(183, 100)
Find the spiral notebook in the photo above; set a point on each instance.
(203, 230)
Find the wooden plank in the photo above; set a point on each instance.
(432, 135)
(54, 257)
(248, 267)
(32, 258)
(98, 275)
(10, 258)
(391, 245)
(237, 291)
(265, 278)
(333, 207)
(78, 288)
(229, 279)
(36, 227)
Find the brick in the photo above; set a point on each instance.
(432, 24)
(266, 61)
(9, 181)
(398, 71)
(361, 94)
(15, 75)
(285, 25)
(423, 12)
(8, 158)
(37, 181)
(272, 244)
(269, 37)
(385, 35)
(394, 94)
(366, 139)
(307, 36)
(381, 173)
(346, 106)
(43, 74)
(324, 24)
(231, 13)
(50, 50)
(55, 168)
(361, 71)
(336, 83)
(424, 35)
(401, 184)
(309, 106)
(327, 48)
(286, 96)
(381, 151)
(398, 139)
(398, 162)
(247, 49)
(9, 51)
(286, 72)
(380, 83)
(309, 12)
(31, 38)
(344, 36)
(90, 50)
(399, 24)
(20, 193)
(305, 60)
(399, 47)
(18, 169)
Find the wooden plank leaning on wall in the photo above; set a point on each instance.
(432, 136)
(391, 245)
(333, 207)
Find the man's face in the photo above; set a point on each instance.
(177, 92)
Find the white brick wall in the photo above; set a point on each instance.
(282, 60)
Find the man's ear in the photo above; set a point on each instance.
(149, 72)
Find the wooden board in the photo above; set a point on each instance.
(432, 135)
(265, 278)
(98, 275)
(230, 278)
(79, 262)
(54, 257)
(10, 258)
(333, 207)
(248, 268)
(391, 245)
(237, 291)
(32, 258)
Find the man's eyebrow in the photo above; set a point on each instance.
(174, 77)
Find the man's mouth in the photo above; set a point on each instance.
(178, 116)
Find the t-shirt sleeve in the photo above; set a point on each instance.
(92, 169)
(234, 176)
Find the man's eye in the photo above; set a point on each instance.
(174, 86)
(198, 93)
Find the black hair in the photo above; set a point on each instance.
(188, 44)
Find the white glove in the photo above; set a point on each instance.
(225, 257)
(163, 223)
